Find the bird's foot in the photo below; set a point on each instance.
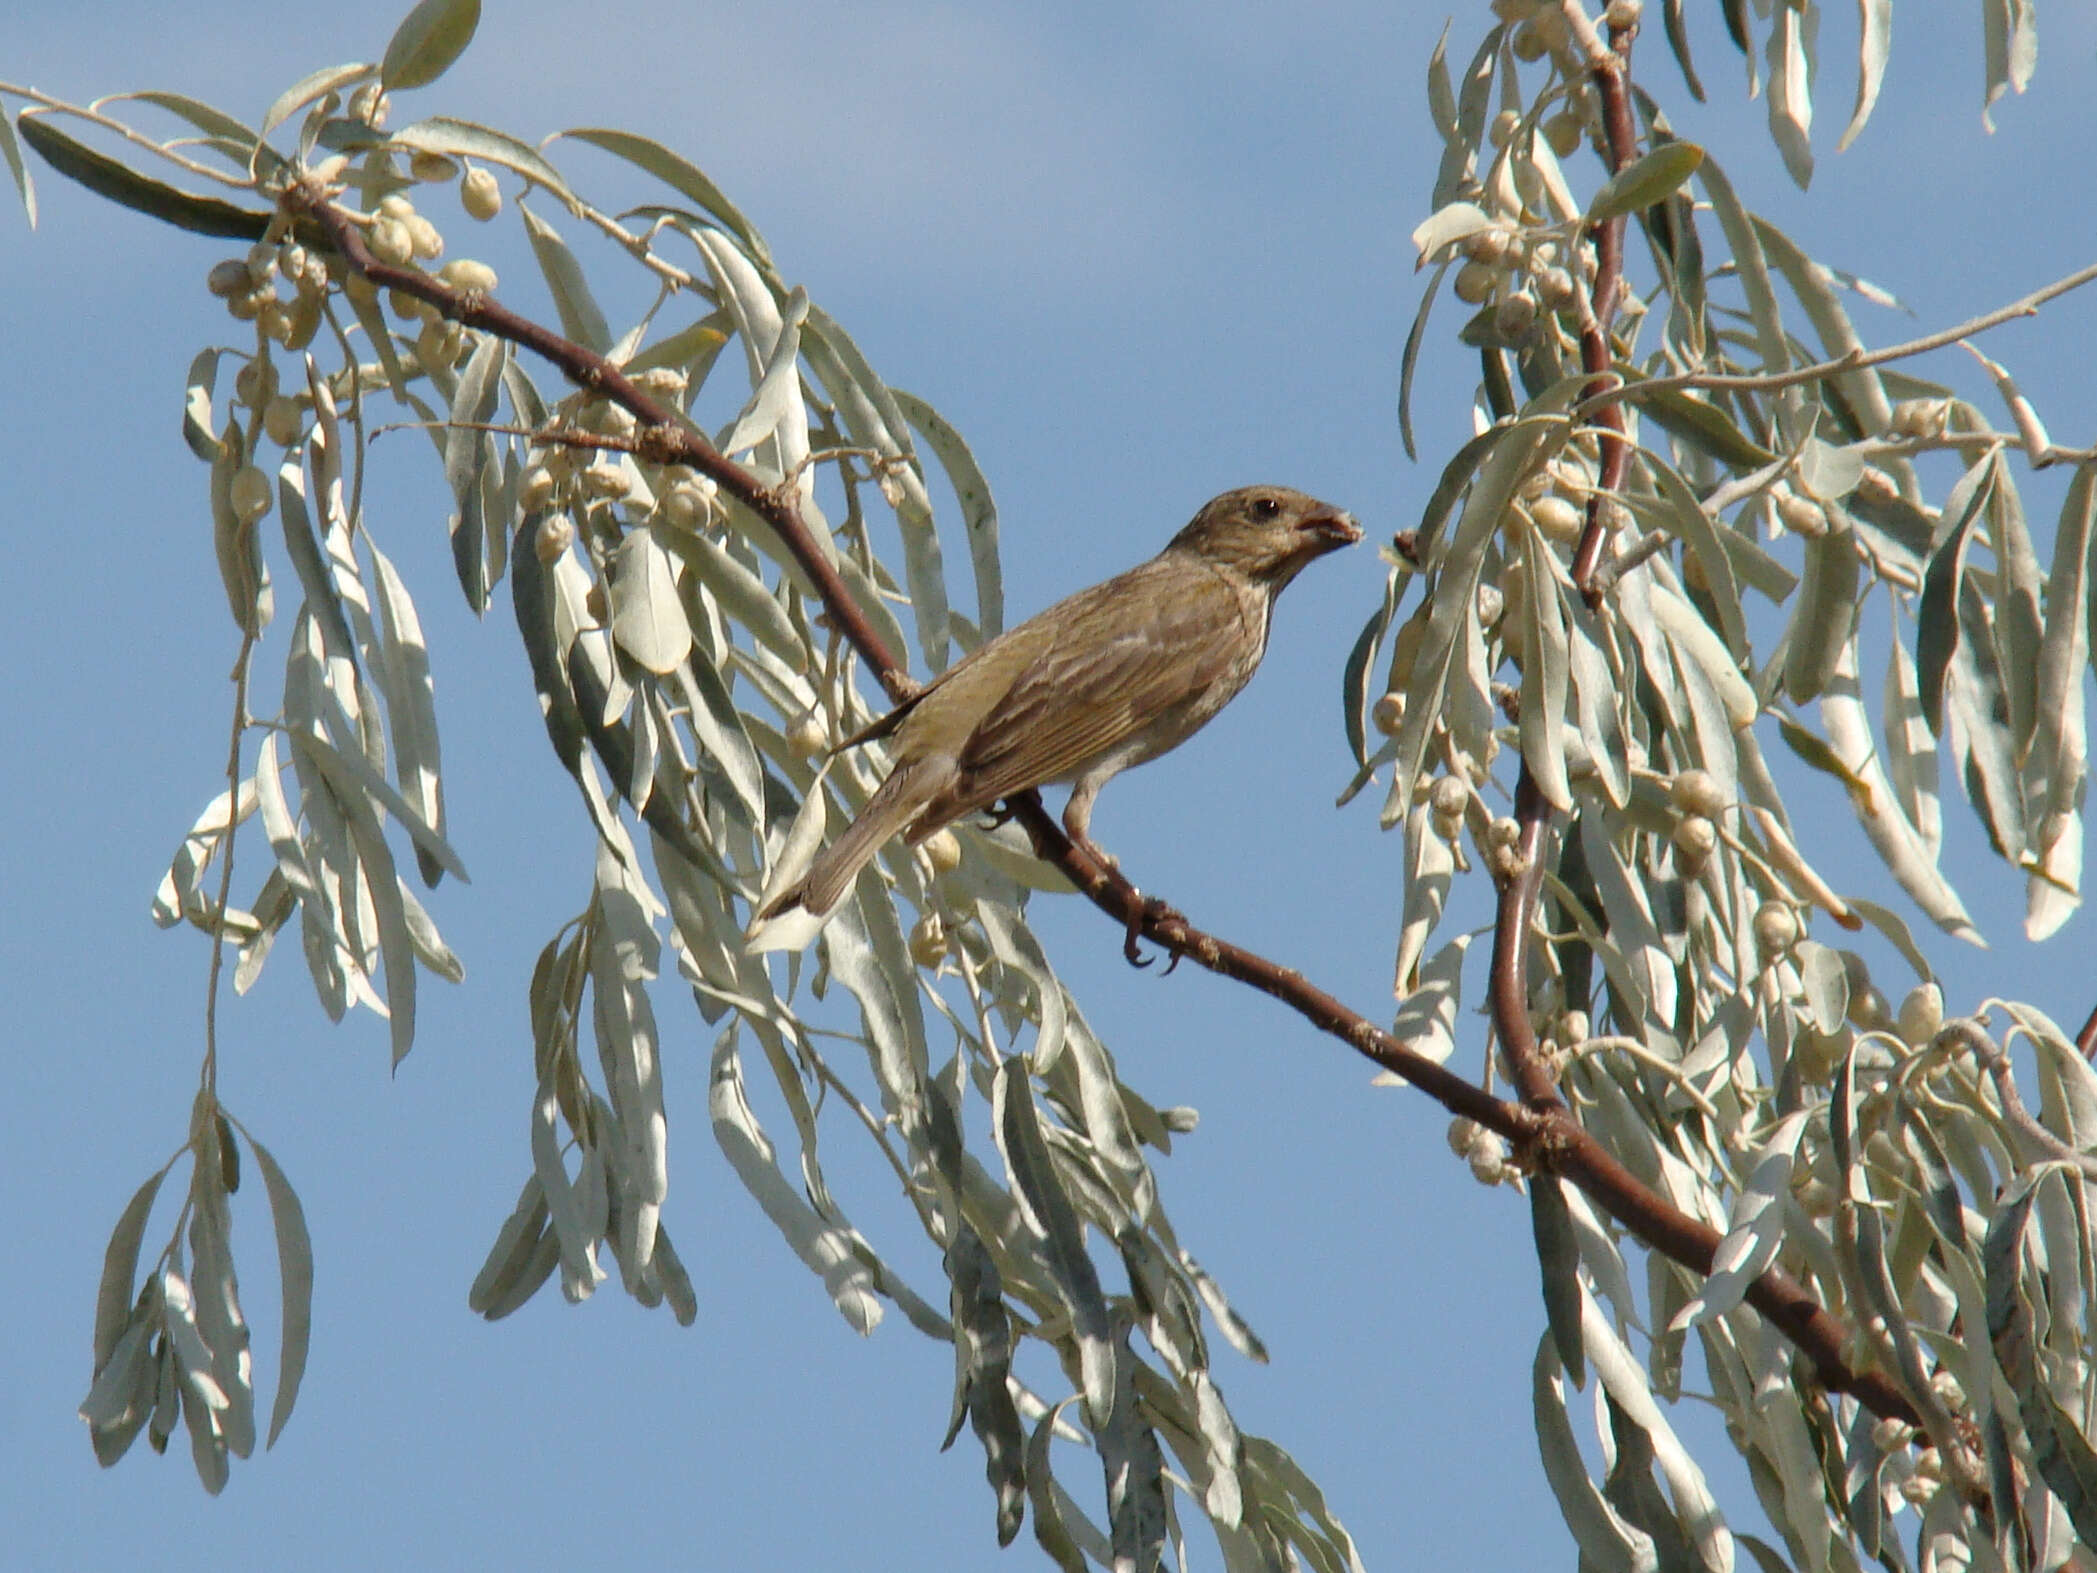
(1148, 909)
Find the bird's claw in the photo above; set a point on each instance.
(1147, 909)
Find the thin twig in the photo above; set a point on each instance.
(1859, 360)
(208, 1074)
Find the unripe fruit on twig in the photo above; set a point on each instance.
(942, 850)
(806, 735)
(1558, 519)
(1387, 715)
(1776, 930)
(391, 242)
(928, 940)
(1563, 132)
(553, 536)
(468, 275)
(1695, 792)
(479, 194)
(1695, 839)
(282, 422)
(1921, 1014)
(1474, 282)
(249, 494)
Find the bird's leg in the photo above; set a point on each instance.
(1077, 819)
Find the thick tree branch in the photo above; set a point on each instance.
(1544, 1130)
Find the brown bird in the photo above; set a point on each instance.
(1109, 678)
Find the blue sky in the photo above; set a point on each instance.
(1136, 259)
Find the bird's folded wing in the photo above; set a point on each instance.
(1124, 661)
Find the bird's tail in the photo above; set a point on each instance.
(900, 798)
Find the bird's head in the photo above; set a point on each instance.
(1267, 533)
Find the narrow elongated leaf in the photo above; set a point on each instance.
(114, 1296)
(679, 175)
(1650, 178)
(465, 139)
(979, 514)
(120, 183)
(315, 85)
(427, 41)
(11, 150)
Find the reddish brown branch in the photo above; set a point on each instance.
(1543, 1130)
(1610, 71)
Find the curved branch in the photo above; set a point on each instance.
(1542, 1129)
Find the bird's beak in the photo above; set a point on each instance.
(1331, 530)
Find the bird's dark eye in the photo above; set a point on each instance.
(1266, 507)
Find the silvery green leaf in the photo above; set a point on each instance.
(1474, 103)
(676, 1283)
(582, 320)
(1895, 840)
(825, 1249)
(225, 1331)
(1752, 267)
(1911, 752)
(777, 386)
(427, 41)
(1624, 1378)
(580, 1273)
(411, 705)
(647, 617)
(309, 88)
(1937, 618)
(626, 954)
(718, 725)
(1606, 1539)
(107, 177)
(979, 514)
(1426, 1019)
(1014, 944)
(465, 139)
(167, 1396)
(1509, 457)
(1825, 981)
(11, 150)
(1823, 616)
(1791, 40)
(114, 1298)
(516, 1243)
(1558, 1256)
(181, 893)
(202, 380)
(1874, 44)
(1447, 225)
(121, 1395)
(2010, 32)
(295, 1273)
(240, 564)
(359, 780)
(739, 592)
(1060, 1526)
(1048, 1209)
(1756, 1230)
(1409, 361)
(1430, 865)
(1599, 1254)
(380, 882)
(678, 174)
(748, 297)
(1648, 179)
(1546, 673)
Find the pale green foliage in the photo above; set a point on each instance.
(1758, 1080)
(676, 654)
(1753, 1076)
